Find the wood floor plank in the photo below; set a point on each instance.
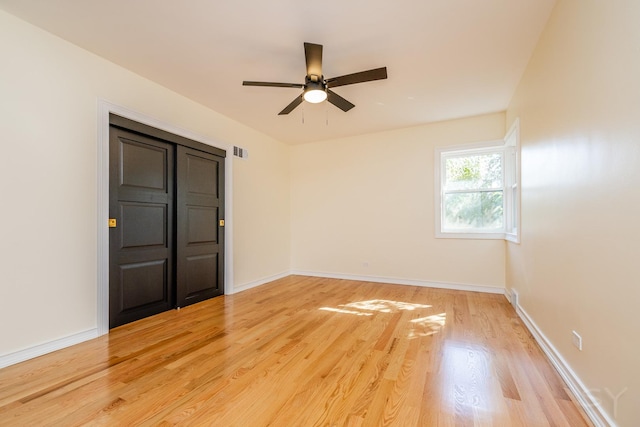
(302, 351)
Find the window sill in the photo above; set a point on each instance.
(513, 238)
(509, 237)
(462, 235)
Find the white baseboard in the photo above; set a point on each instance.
(590, 405)
(48, 347)
(412, 282)
(507, 295)
(259, 282)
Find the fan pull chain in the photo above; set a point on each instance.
(327, 121)
(303, 114)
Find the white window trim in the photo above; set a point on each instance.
(510, 144)
(512, 180)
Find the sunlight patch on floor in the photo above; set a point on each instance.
(366, 308)
(384, 306)
(419, 327)
(429, 325)
(467, 385)
(341, 310)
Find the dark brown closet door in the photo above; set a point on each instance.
(141, 244)
(200, 237)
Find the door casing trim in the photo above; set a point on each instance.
(104, 108)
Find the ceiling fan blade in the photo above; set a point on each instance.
(313, 56)
(339, 101)
(270, 84)
(289, 108)
(361, 77)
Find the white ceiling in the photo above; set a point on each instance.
(445, 58)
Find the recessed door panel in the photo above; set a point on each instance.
(143, 225)
(202, 225)
(202, 175)
(143, 165)
(143, 284)
(202, 271)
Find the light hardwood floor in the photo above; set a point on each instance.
(302, 351)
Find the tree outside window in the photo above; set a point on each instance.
(473, 192)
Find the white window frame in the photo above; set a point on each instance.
(509, 147)
(512, 182)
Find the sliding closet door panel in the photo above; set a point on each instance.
(141, 200)
(200, 237)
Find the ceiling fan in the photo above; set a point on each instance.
(316, 87)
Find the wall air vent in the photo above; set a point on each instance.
(240, 152)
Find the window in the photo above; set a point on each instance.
(477, 189)
(473, 190)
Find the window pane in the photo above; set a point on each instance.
(480, 171)
(473, 210)
(514, 210)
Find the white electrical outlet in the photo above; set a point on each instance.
(576, 339)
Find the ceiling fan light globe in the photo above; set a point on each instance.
(315, 96)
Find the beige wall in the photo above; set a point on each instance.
(262, 214)
(370, 199)
(578, 266)
(49, 92)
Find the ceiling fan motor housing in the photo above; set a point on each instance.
(315, 83)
